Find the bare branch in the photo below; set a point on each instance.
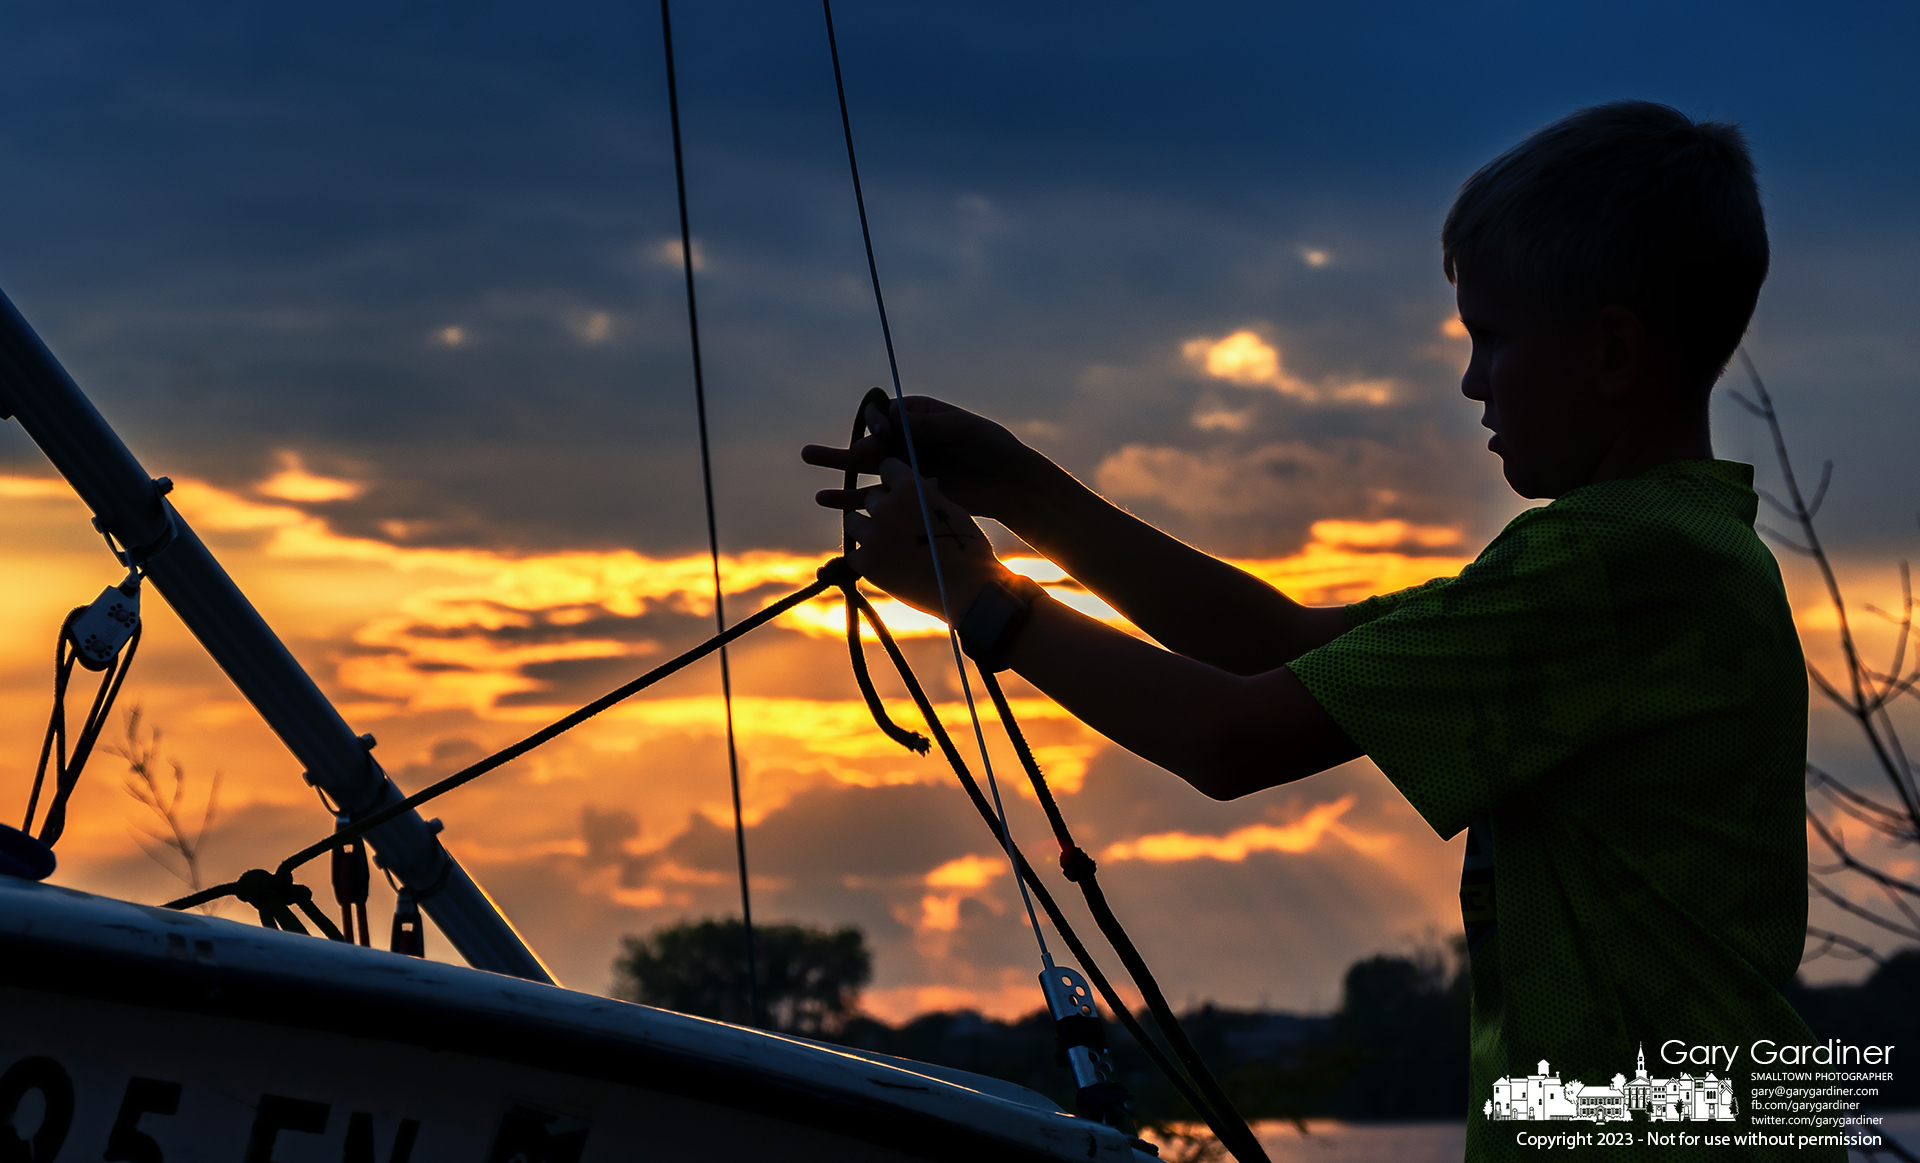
(1906, 628)
(1869, 811)
(1829, 939)
(1782, 539)
(1895, 899)
(1820, 494)
(1838, 845)
(1827, 688)
(1863, 912)
(163, 797)
(1789, 514)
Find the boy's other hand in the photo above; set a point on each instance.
(890, 542)
(980, 465)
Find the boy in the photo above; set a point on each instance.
(1610, 700)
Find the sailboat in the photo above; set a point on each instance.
(148, 1034)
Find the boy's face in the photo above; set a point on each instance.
(1539, 379)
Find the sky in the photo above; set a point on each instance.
(394, 295)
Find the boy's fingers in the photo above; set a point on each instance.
(846, 499)
(860, 528)
(827, 456)
(894, 473)
(850, 500)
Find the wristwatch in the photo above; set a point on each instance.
(995, 618)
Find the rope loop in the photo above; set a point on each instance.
(274, 895)
(837, 573)
(1077, 866)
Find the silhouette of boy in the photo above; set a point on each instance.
(1610, 700)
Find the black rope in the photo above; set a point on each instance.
(911, 740)
(1004, 830)
(67, 767)
(275, 895)
(833, 573)
(1214, 1108)
(1060, 923)
(713, 533)
(1080, 868)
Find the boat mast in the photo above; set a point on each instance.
(131, 507)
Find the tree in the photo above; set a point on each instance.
(810, 979)
(1403, 1023)
(1866, 695)
(1891, 810)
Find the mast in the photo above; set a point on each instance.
(130, 506)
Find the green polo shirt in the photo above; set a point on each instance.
(1611, 698)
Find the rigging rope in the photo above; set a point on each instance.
(275, 895)
(920, 491)
(67, 767)
(1075, 863)
(833, 573)
(713, 534)
(1202, 1091)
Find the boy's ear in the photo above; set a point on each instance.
(1624, 353)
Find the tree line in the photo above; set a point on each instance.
(1395, 1049)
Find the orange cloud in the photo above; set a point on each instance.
(1245, 358)
(967, 872)
(33, 488)
(294, 483)
(1303, 835)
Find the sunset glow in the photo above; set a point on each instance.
(1303, 835)
(402, 311)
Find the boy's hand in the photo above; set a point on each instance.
(890, 543)
(980, 465)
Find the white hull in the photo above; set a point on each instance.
(272, 1047)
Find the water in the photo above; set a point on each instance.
(1902, 1126)
(1332, 1141)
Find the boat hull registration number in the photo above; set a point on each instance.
(85, 1079)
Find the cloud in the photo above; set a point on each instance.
(515, 637)
(1214, 418)
(667, 253)
(968, 872)
(1247, 360)
(593, 327)
(963, 878)
(18, 488)
(1260, 501)
(1303, 835)
(294, 483)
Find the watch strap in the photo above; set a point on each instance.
(995, 619)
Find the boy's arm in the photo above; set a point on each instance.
(1194, 604)
(1226, 734)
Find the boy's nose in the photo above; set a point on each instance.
(1473, 384)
